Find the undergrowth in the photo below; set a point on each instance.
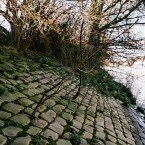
(108, 87)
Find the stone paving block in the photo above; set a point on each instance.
(100, 121)
(57, 128)
(110, 143)
(90, 118)
(19, 95)
(87, 135)
(48, 116)
(40, 123)
(63, 142)
(77, 124)
(1, 101)
(13, 108)
(33, 85)
(118, 127)
(11, 131)
(2, 123)
(36, 98)
(25, 102)
(63, 102)
(34, 130)
(4, 115)
(88, 122)
(112, 139)
(80, 119)
(35, 91)
(121, 142)
(30, 111)
(9, 97)
(129, 141)
(58, 108)
(60, 121)
(21, 118)
(111, 133)
(101, 135)
(49, 134)
(2, 140)
(129, 136)
(22, 141)
(28, 93)
(67, 116)
(49, 103)
(88, 128)
(84, 142)
(121, 137)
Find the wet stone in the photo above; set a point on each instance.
(33, 130)
(63, 142)
(22, 141)
(49, 134)
(11, 131)
(21, 118)
(2, 140)
(13, 108)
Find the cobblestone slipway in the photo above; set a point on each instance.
(61, 120)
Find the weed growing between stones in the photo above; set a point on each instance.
(13, 123)
(3, 90)
(92, 141)
(36, 140)
(75, 139)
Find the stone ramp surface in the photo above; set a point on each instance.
(61, 120)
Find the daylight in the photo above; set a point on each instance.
(72, 72)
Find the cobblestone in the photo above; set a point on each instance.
(59, 117)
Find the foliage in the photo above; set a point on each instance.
(13, 123)
(92, 141)
(140, 109)
(75, 139)
(3, 90)
(36, 140)
(107, 86)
